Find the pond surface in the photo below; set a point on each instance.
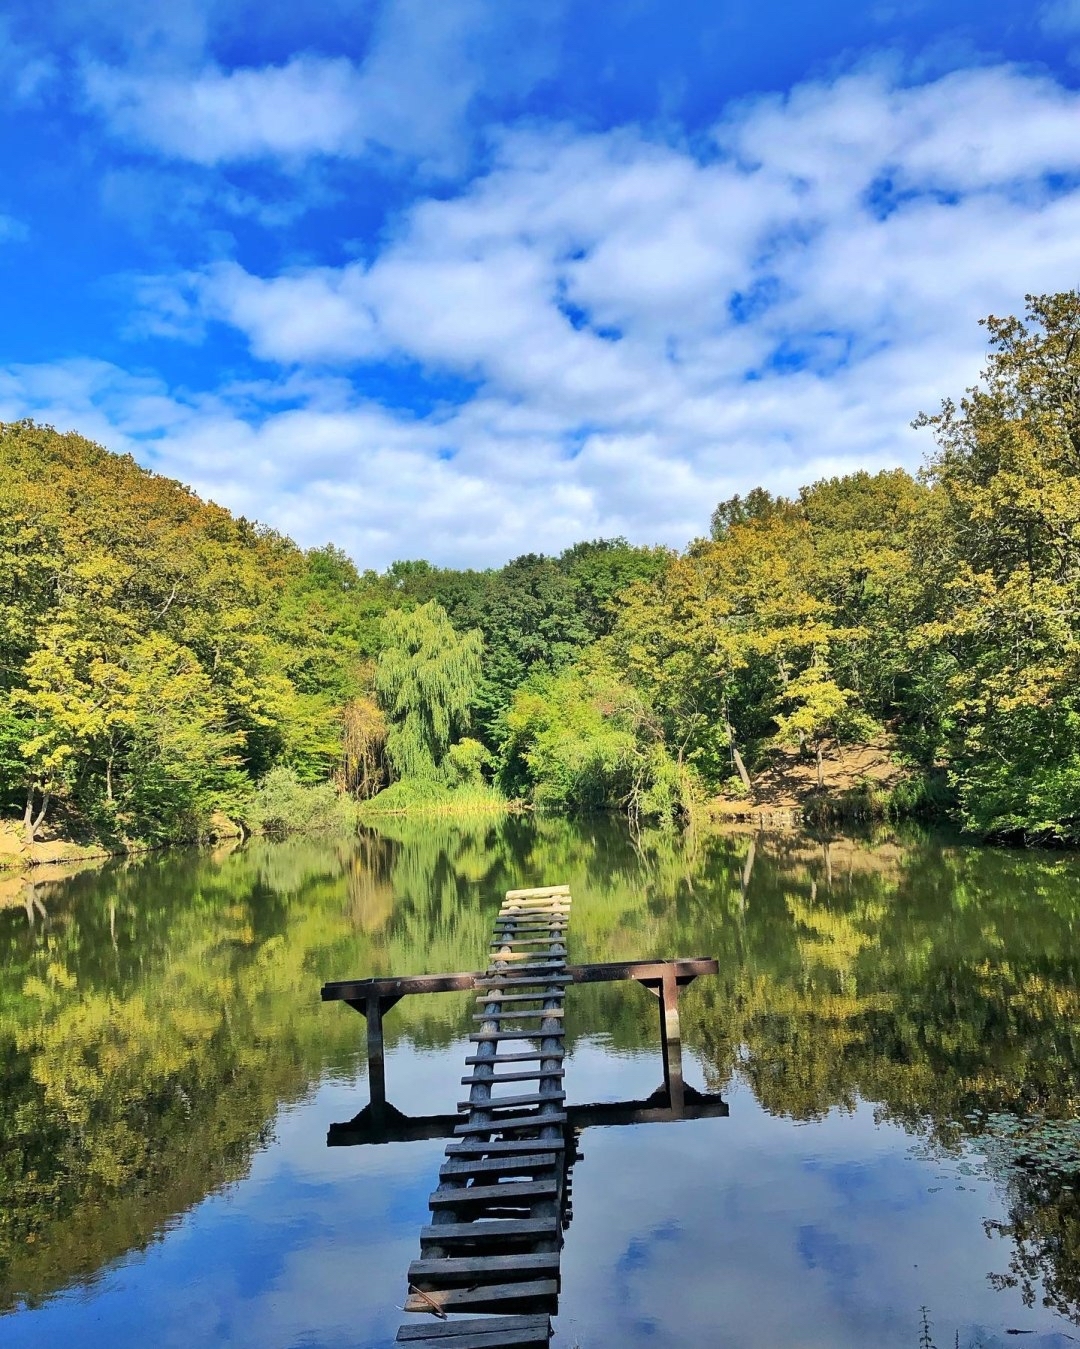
(895, 1027)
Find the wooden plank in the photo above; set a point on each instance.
(499, 1297)
(485, 1037)
(453, 1331)
(498, 1229)
(540, 1012)
(553, 929)
(532, 903)
(517, 1122)
(526, 941)
(523, 922)
(487, 998)
(556, 1054)
(503, 1339)
(505, 956)
(473, 1269)
(505, 1147)
(532, 1076)
(504, 1102)
(515, 980)
(511, 1191)
(538, 890)
(524, 961)
(501, 1166)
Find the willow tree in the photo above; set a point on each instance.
(427, 678)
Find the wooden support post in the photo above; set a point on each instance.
(376, 1061)
(671, 1040)
(372, 1009)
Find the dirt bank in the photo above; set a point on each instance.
(856, 781)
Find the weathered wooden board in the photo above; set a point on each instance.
(533, 1075)
(498, 1229)
(496, 998)
(526, 1164)
(503, 1147)
(488, 1324)
(475, 1269)
(518, 1122)
(512, 1102)
(554, 1054)
(493, 1296)
(511, 1191)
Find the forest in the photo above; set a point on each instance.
(165, 665)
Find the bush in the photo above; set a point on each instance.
(282, 804)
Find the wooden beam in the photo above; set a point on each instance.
(356, 991)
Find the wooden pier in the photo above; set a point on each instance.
(488, 1273)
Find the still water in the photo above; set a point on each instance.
(895, 1027)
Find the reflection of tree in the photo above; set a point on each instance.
(153, 1023)
(1044, 1228)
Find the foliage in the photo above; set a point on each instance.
(426, 678)
(158, 656)
(584, 740)
(1003, 558)
(282, 804)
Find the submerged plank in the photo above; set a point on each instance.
(492, 1297)
(488, 1325)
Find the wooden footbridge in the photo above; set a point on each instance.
(488, 1273)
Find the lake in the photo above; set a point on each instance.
(895, 1027)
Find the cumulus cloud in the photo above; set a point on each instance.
(409, 95)
(620, 331)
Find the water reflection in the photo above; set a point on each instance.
(169, 1074)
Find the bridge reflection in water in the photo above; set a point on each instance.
(492, 1250)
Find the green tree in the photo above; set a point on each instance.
(1000, 557)
(427, 677)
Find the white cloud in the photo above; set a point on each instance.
(409, 95)
(310, 105)
(645, 330)
(1060, 17)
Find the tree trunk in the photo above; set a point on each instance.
(741, 768)
(32, 823)
(820, 770)
(748, 867)
(737, 759)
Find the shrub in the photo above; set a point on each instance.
(282, 804)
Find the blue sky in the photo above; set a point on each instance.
(477, 277)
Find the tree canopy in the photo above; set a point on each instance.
(158, 657)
